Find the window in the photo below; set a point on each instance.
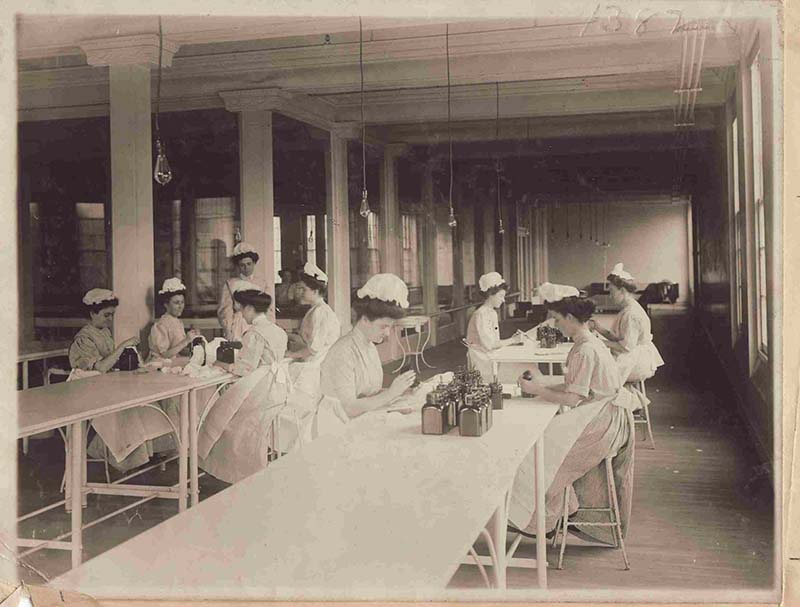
(372, 231)
(410, 251)
(759, 211)
(373, 238)
(276, 239)
(63, 205)
(738, 231)
(311, 239)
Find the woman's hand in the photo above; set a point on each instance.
(191, 334)
(401, 383)
(131, 342)
(530, 381)
(224, 366)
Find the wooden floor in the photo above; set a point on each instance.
(702, 512)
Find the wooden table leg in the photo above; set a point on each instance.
(183, 452)
(76, 462)
(541, 540)
(498, 530)
(193, 463)
(68, 470)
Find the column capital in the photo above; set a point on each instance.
(140, 49)
(298, 106)
(266, 99)
(346, 130)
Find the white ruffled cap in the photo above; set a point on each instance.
(311, 269)
(172, 285)
(96, 296)
(492, 279)
(242, 248)
(550, 292)
(244, 285)
(618, 271)
(386, 287)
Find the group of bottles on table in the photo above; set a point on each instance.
(549, 337)
(466, 402)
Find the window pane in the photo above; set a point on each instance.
(311, 239)
(63, 197)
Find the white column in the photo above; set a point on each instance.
(391, 225)
(130, 59)
(257, 200)
(337, 207)
(131, 199)
(256, 191)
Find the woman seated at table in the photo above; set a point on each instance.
(233, 325)
(597, 422)
(630, 338)
(352, 370)
(320, 327)
(483, 331)
(168, 338)
(126, 434)
(234, 440)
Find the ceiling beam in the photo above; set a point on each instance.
(545, 127)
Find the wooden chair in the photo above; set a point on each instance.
(644, 416)
(612, 510)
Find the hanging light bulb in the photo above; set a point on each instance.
(364, 210)
(451, 220)
(162, 172)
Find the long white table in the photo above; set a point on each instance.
(73, 404)
(378, 511)
(527, 352)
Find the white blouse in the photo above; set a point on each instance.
(264, 343)
(320, 329)
(166, 333)
(352, 369)
(632, 326)
(89, 346)
(483, 331)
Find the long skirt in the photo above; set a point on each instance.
(582, 469)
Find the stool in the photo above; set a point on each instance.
(645, 416)
(613, 515)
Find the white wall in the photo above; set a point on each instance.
(650, 239)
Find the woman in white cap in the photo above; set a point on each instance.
(598, 422)
(483, 331)
(234, 439)
(630, 338)
(128, 434)
(168, 338)
(352, 370)
(233, 326)
(93, 348)
(320, 327)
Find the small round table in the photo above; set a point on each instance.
(413, 322)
